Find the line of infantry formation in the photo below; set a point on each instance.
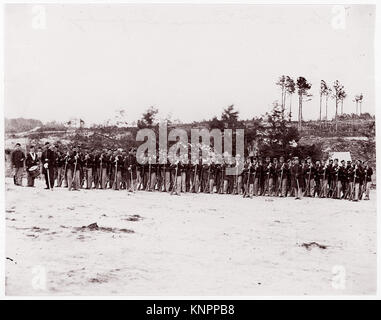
(120, 170)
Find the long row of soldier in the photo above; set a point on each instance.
(118, 169)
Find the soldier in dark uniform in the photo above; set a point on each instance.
(192, 170)
(159, 177)
(268, 173)
(229, 178)
(309, 172)
(326, 179)
(350, 184)
(275, 165)
(297, 178)
(110, 168)
(116, 165)
(60, 167)
(167, 176)
(362, 179)
(204, 166)
(127, 172)
(357, 178)
(318, 179)
(39, 155)
(334, 179)
(290, 191)
(176, 173)
(212, 176)
(342, 180)
(152, 173)
(49, 159)
(132, 170)
(17, 159)
(88, 166)
(139, 171)
(368, 172)
(31, 161)
(258, 177)
(188, 167)
(64, 160)
(282, 174)
(251, 174)
(123, 183)
(95, 154)
(148, 174)
(239, 165)
(247, 179)
(102, 169)
(218, 175)
(144, 175)
(57, 154)
(183, 167)
(74, 169)
(205, 176)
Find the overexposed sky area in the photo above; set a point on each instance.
(190, 61)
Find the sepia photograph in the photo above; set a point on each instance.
(182, 150)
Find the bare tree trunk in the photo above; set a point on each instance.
(360, 107)
(320, 105)
(300, 113)
(290, 106)
(357, 107)
(326, 107)
(336, 112)
(342, 107)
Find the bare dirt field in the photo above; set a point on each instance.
(156, 244)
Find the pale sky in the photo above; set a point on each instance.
(190, 61)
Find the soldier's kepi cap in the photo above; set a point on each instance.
(295, 158)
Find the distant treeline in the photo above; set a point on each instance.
(21, 124)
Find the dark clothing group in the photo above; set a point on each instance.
(121, 170)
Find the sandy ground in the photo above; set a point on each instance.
(188, 245)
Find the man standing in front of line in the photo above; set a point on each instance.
(17, 159)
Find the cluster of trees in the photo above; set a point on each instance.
(358, 100)
(354, 116)
(288, 87)
(270, 135)
(302, 87)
